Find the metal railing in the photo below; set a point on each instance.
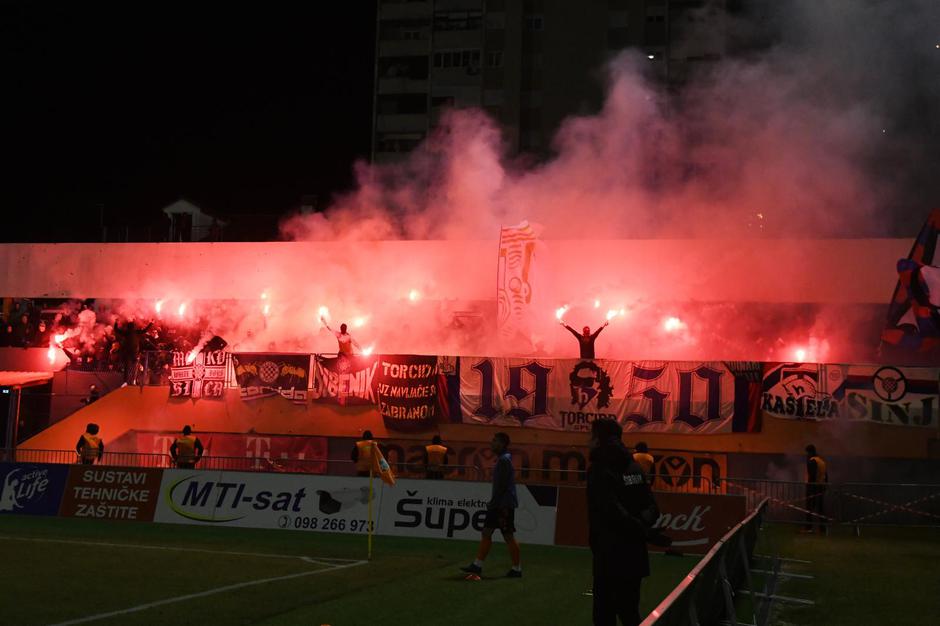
(789, 502)
(876, 504)
(706, 594)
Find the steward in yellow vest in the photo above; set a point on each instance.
(435, 458)
(645, 460)
(89, 446)
(362, 453)
(817, 476)
(186, 450)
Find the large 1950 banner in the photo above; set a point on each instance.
(905, 396)
(569, 394)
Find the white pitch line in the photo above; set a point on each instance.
(320, 560)
(203, 594)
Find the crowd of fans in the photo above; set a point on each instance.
(97, 338)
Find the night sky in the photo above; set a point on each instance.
(238, 110)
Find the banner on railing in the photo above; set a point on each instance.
(905, 396)
(269, 452)
(198, 376)
(344, 380)
(268, 375)
(569, 394)
(31, 489)
(674, 470)
(409, 392)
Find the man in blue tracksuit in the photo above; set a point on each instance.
(500, 510)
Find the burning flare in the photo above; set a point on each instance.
(560, 312)
(673, 324)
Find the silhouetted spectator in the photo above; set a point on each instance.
(93, 394)
(41, 335)
(128, 337)
(6, 337)
(21, 332)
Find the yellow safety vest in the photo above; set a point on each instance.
(436, 456)
(645, 461)
(186, 449)
(91, 447)
(821, 475)
(364, 460)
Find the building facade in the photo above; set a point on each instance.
(528, 63)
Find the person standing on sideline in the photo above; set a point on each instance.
(435, 458)
(643, 458)
(817, 478)
(344, 340)
(500, 511)
(186, 450)
(621, 516)
(90, 448)
(361, 453)
(585, 338)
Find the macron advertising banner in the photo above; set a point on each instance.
(31, 489)
(645, 396)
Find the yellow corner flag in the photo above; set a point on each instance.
(381, 467)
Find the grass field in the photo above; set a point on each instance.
(884, 576)
(67, 570)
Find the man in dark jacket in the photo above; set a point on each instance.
(621, 515)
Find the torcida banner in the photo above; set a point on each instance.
(647, 396)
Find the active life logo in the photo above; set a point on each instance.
(21, 487)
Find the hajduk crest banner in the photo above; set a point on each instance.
(569, 394)
(904, 396)
(200, 377)
(267, 375)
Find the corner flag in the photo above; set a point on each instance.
(380, 466)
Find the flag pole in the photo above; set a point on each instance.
(369, 528)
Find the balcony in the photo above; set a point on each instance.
(404, 10)
(402, 85)
(401, 123)
(404, 48)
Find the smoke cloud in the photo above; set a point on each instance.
(819, 121)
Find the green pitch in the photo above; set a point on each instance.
(67, 570)
(884, 576)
